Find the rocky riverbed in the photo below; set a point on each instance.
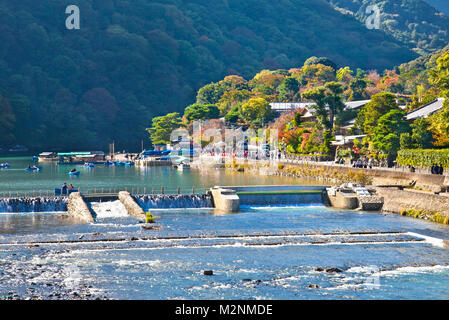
(29, 276)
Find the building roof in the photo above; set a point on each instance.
(288, 106)
(342, 140)
(426, 110)
(351, 105)
(66, 154)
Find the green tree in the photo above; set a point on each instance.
(357, 87)
(233, 115)
(380, 104)
(421, 134)
(201, 112)
(7, 122)
(210, 93)
(163, 126)
(328, 102)
(344, 74)
(288, 89)
(387, 133)
(322, 60)
(257, 110)
(439, 76)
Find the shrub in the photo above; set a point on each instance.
(149, 217)
(423, 157)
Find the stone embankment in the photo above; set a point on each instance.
(78, 209)
(131, 205)
(417, 204)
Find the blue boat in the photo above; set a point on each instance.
(4, 166)
(108, 163)
(35, 159)
(75, 173)
(129, 164)
(119, 163)
(89, 165)
(34, 168)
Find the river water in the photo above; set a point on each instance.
(259, 253)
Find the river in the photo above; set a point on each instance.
(268, 252)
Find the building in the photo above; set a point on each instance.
(281, 107)
(426, 110)
(47, 156)
(80, 157)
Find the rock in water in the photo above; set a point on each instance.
(334, 270)
(208, 273)
(148, 226)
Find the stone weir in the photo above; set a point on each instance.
(33, 204)
(230, 198)
(163, 201)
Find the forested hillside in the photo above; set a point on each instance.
(414, 23)
(132, 60)
(441, 5)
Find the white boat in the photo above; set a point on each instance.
(183, 166)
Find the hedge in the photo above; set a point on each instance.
(423, 157)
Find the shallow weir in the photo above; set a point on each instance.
(174, 201)
(33, 204)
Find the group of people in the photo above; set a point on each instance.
(65, 187)
(363, 164)
(436, 169)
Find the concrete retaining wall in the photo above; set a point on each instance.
(342, 201)
(78, 209)
(397, 200)
(225, 199)
(131, 205)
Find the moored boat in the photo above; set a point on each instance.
(183, 166)
(34, 168)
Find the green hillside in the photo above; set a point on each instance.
(441, 5)
(414, 23)
(132, 60)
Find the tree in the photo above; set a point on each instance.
(357, 87)
(322, 60)
(163, 126)
(233, 115)
(7, 122)
(288, 89)
(316, 74)
(328, 102)
(201, 112)
(386, 135)
(380, 104)
(344, 74)
(210, 94)
(421, 134)
(439, 76)
(257, 109)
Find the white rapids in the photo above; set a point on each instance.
(111, 209)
